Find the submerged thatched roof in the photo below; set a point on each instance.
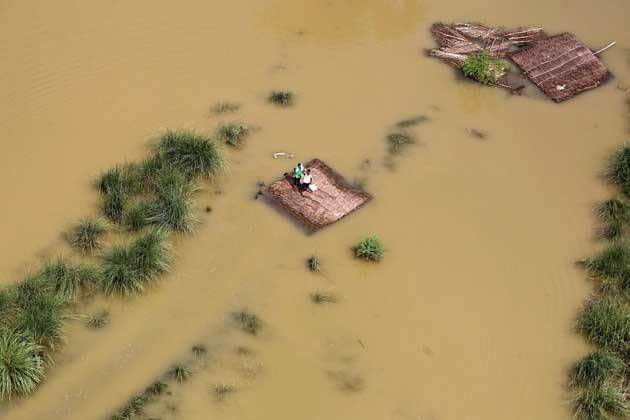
(333, 199)
(561, 66)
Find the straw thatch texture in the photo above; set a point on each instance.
(334, 198)
(561, 67)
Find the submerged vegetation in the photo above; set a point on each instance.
(153, 197)
(225, 107)
(313, 264)
(323, 297)
(398, 140)
(282, 98)
(600, 379)
(248, 322)
(370, 249)
(483, 68)
(233, 133)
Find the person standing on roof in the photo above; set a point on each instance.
(298, 172)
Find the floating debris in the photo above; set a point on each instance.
(283, 154)
(478, 134)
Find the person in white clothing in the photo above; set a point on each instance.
(306, 180)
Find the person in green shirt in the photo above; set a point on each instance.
(298, 171)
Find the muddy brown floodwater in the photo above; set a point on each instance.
(470, 314)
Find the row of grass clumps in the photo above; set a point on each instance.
(600, 379)
(150, 200)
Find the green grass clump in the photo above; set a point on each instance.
(313, 264)
(248, 322)
(125, 178)
(67, 281)
(181, 373)
(87, 235)
(282, 98)
(619, 168)
(615, 215)
(136, 217)
(483, 68)
(21, 367)
(191, 153)
(233, 134)
(606, 323)
(612, 266)
(128, 268)
(399, 140)
(172, 207)
(43, 317)
(370, 249)
(113, 205)
(601, 403)
(596, 368)
(199, 349)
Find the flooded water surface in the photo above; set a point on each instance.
(470, 314)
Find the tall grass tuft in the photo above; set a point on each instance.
(601, 403)
(113, 205)
(233, 133)
(225, 107)
(370, 249)
(181, 373)
(136, 217)
(42, 317)
(172, 207)
(606, 323)
(313, 264)
(191, 153)
(21, 368)
(128, 268)
(612, 265)
(618, 171)
(282, 98)
(596, 368)
(87, 235)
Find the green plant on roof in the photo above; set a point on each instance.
(484, 68)
(233, 133)
(282, 98)
(21, 367)
(370, 249)
(191, 153)
(87, 235)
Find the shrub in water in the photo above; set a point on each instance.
(43, 319)
(191, 153)
(181, 373)
(281, 98)
(398, 140)
(606, 323)
(86, 236)
(21, 368)
(233, 133)
(136, 217)
(596, 368)
(619, 168)
(601, 403)
(369, 248)
(114, 205)
(313, 264)
(612, 265)
(224, 107)
(151, 254)
(483, 68)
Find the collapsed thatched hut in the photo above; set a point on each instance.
(560, 66)
(333, 199)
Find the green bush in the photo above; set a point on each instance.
(483, 68)
(369, 248)
(612, 265)
(113, 205)
(233, 134)
(21, 368)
